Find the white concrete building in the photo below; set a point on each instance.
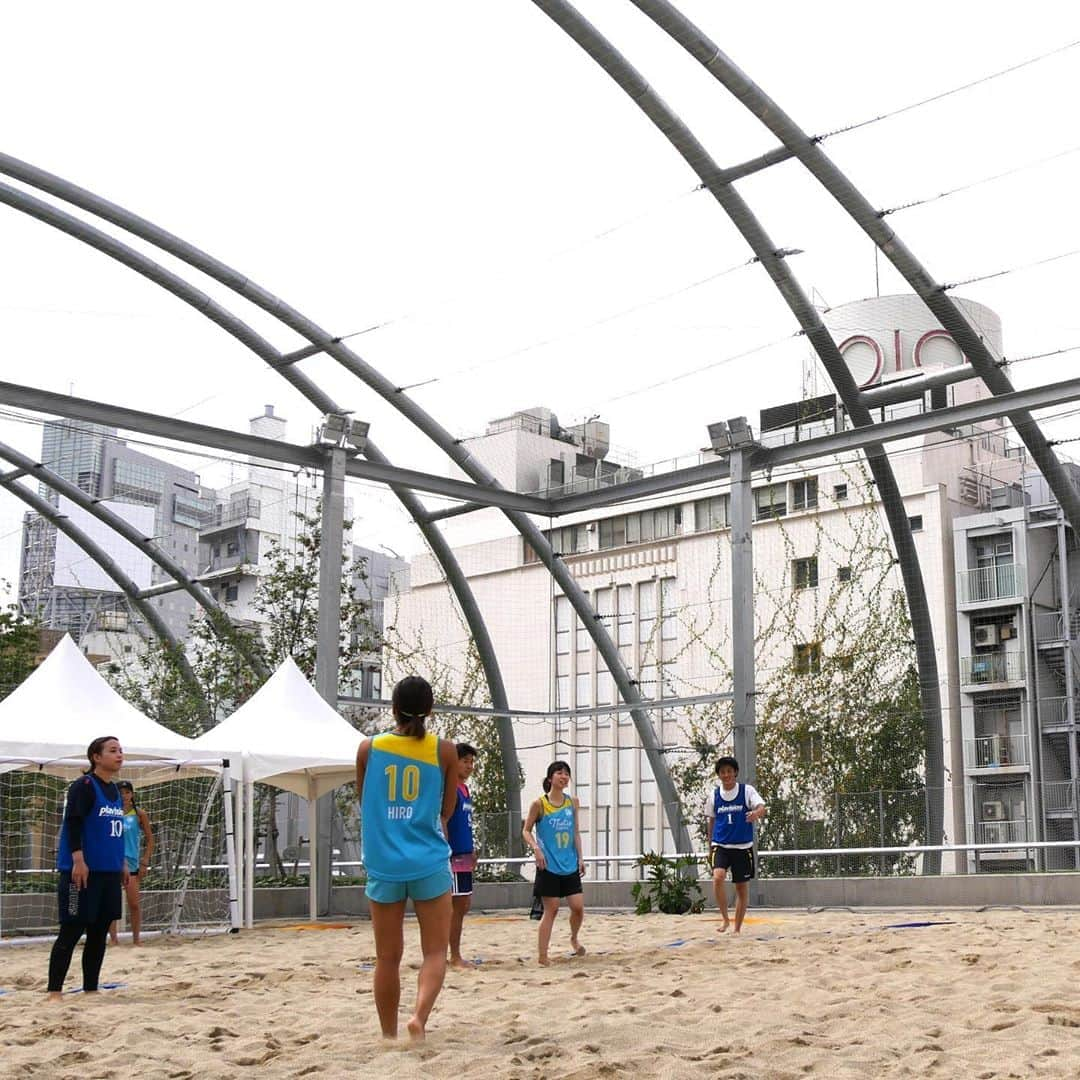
(658, 571)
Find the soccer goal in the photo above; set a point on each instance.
(191, 881)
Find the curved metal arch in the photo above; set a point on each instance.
(219, 619)
(125, 584)
(861, 211)
(146, 267)
(712, 176)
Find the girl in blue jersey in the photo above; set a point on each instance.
(459, 832)
(557, 849)
(406, 780)
(91, 865)
(136, 830)
(732, 808)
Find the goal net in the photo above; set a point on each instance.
(187, 883)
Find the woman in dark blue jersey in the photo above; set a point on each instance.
(91, 864)
(406, 780)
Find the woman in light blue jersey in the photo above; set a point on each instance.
(406, 780)
(557, 848)
(138, 847)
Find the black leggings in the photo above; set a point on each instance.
(93, 953)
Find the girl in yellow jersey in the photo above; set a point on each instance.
(406, 780)
(557, 848)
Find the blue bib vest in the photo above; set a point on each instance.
(102, 832)
(132, 839)
(459, 827)
(731, 825)
(401, 832)
(555, 834)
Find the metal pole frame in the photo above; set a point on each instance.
(219, 619)
(266, 301)
(718, 183)
(859, 209)
(128, 587)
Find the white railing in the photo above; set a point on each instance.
(991, 583)
(1059, 795)
(1049, 626)
(992, 667)
(1001, 832)
(1053, 712)
(994, 751)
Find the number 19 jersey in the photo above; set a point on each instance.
(402, 836)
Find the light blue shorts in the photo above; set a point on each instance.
(425, 888)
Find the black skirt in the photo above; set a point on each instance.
(98, 902)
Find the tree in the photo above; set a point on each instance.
(18, 647)
(840, 735)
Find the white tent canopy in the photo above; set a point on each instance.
(289, 737)
(50, 718)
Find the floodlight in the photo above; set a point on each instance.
(719, 437)
(356, 435)
(741, 434)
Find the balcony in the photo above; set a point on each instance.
(1059, 796)
(1001, 832)
(992, 667)
(1053, 715)
(235, 512)
(991, 583)
(996, 752)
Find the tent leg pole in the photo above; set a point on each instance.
(230, 847)
(238, 854)
(313, 852)
(249, 854)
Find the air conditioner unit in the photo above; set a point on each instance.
(993, 811)
(985, 635)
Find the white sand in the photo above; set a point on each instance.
(834, 994)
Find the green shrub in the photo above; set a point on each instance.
(667, 888)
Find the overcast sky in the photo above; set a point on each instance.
(464, 174)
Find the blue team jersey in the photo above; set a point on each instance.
(132, 839)
(556, 835)
(731, 827)
(102, 829)
(459, 827)
(401, 830)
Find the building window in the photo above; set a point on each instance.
(669, 627)
(640, 528)
(810, 747)
(625, 617)
(714, 513)
(843, 573)
(807, 658)
(232, 592)
(770, 502)
(562, 626)
(915, 523)
(569, 540)
(804, 573)
(839, 492)
(232, 548)
(804, 493)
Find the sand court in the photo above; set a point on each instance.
(863, 994)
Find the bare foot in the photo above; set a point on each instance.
(723, 929)
(462, 964)
(416, 1029)
(389, 1034)
(54, 995)
(543, 961)
(578, 949)
(114, 941)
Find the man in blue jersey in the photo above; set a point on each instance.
(732, 808)
(459, 833)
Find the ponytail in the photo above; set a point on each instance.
(412, 702)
